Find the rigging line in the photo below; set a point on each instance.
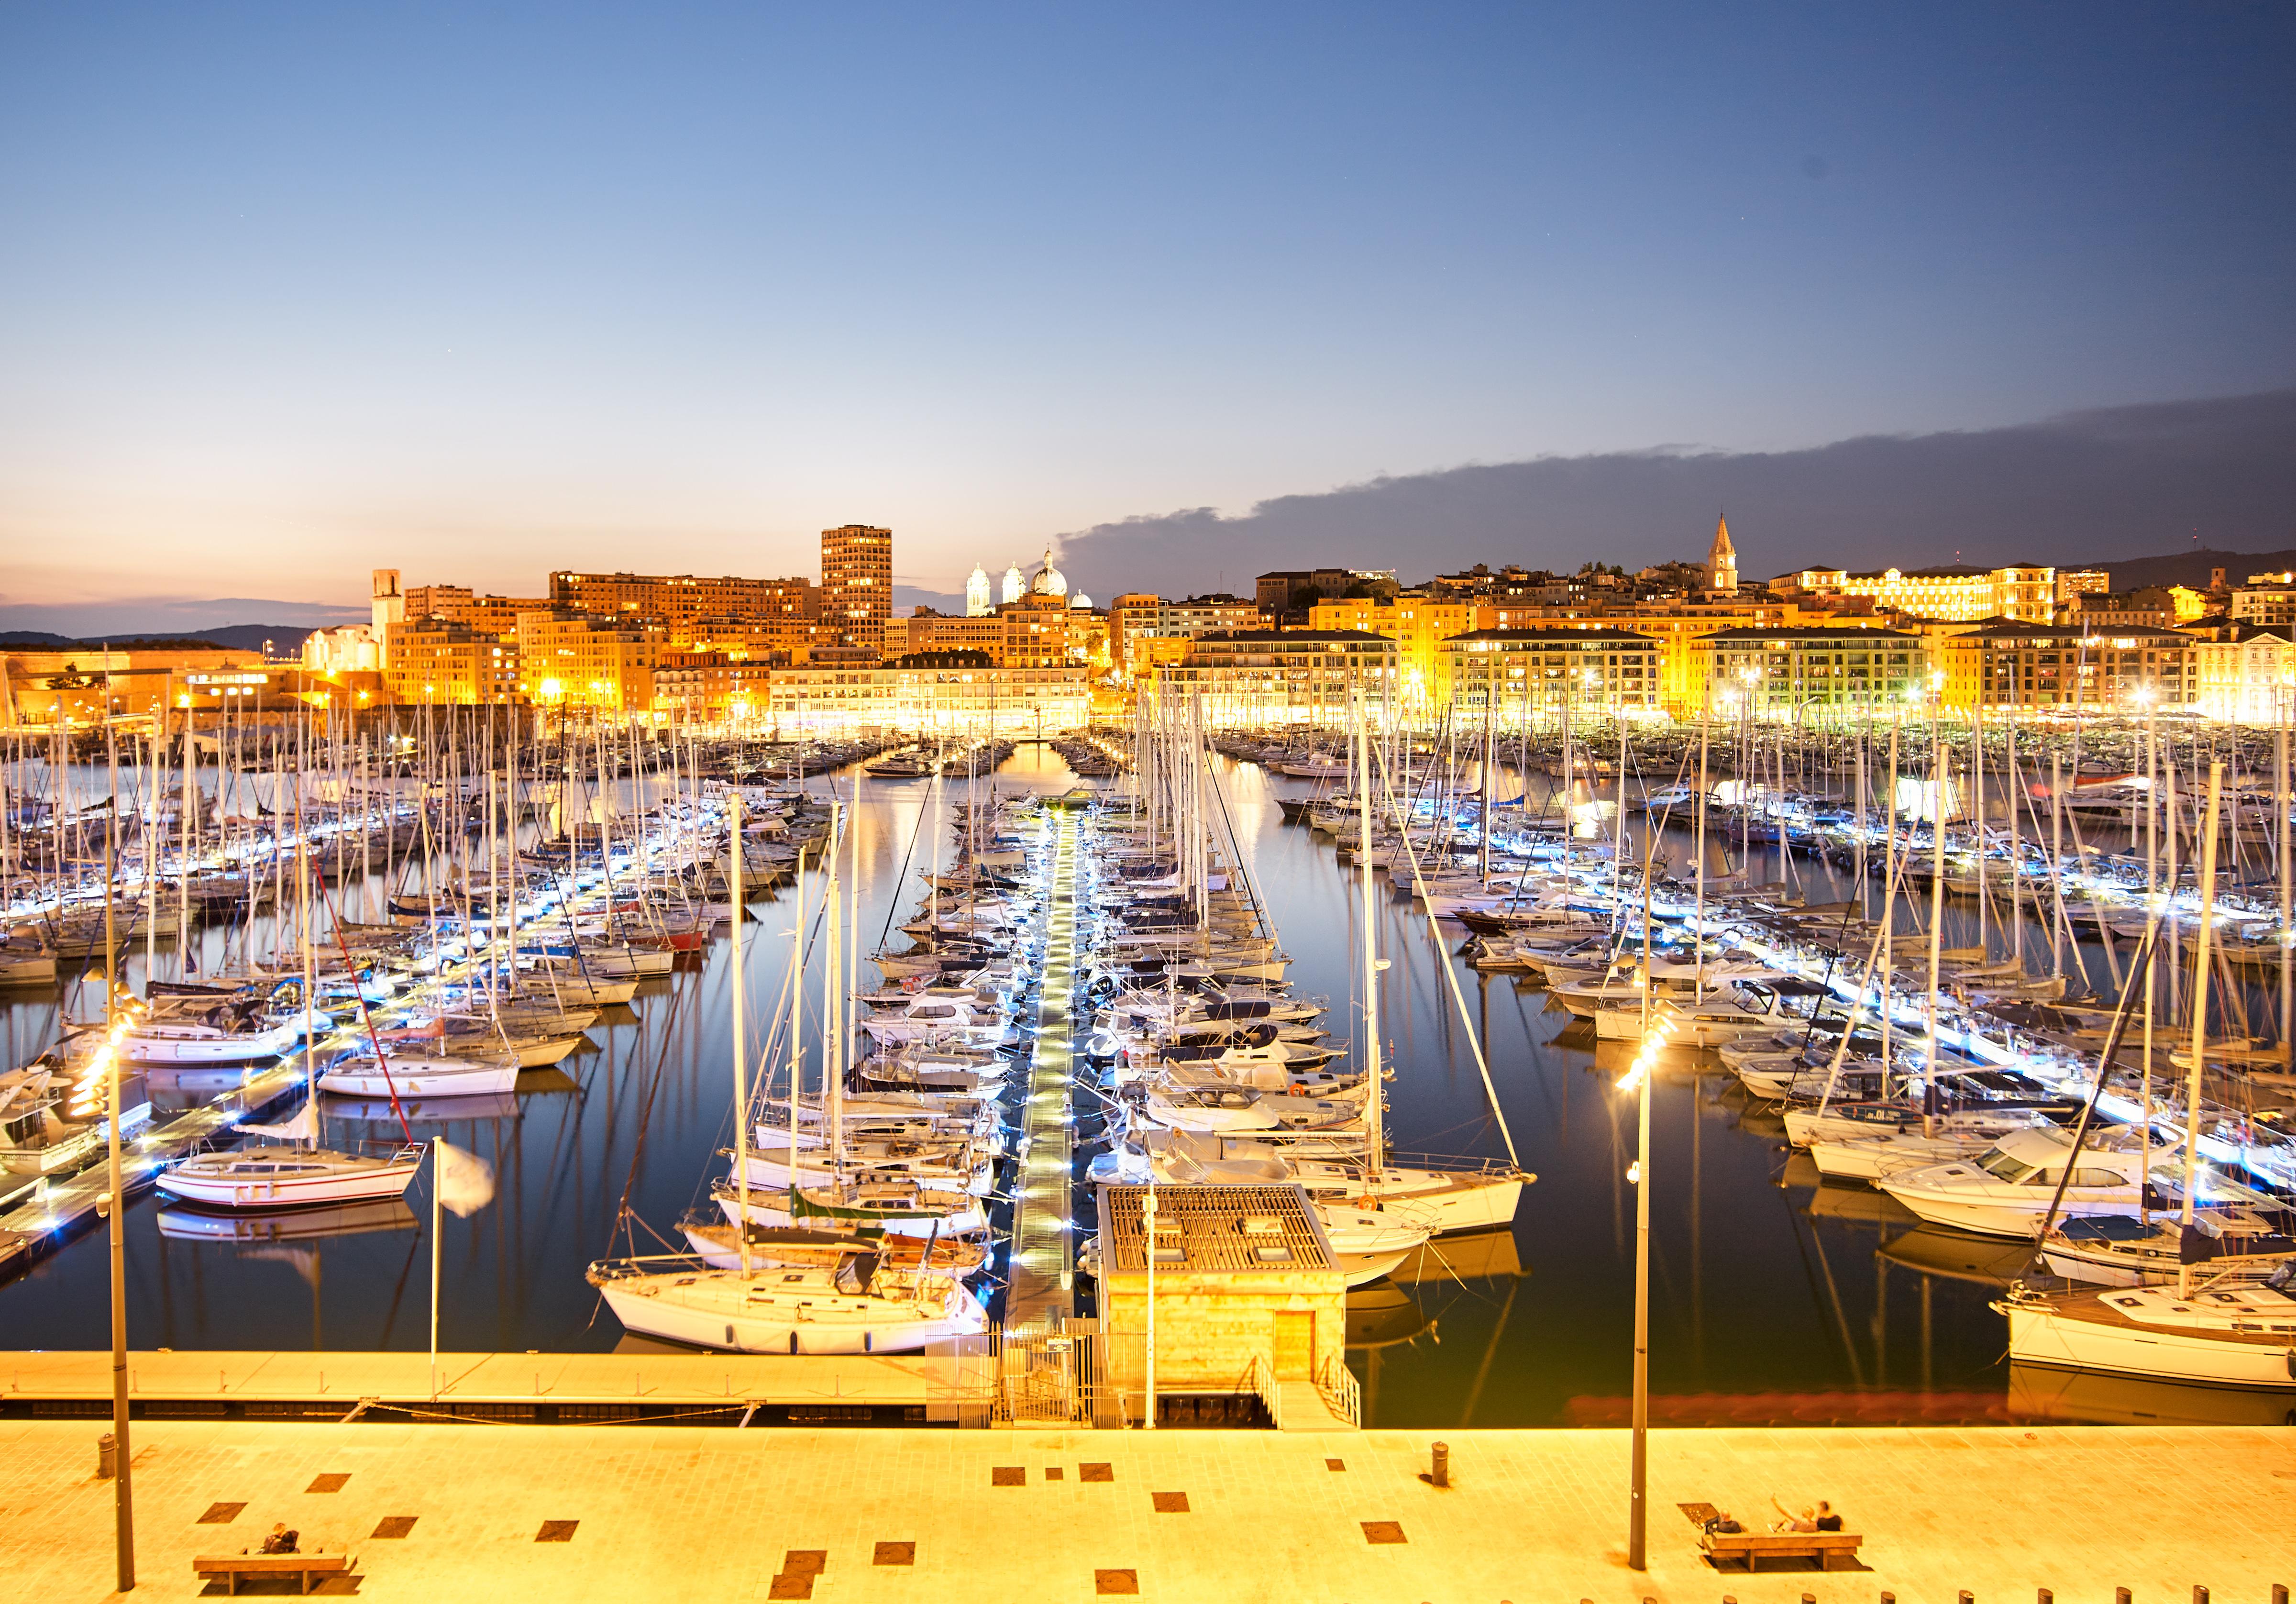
(901, 874)
(1450, 973)
(366, 1016)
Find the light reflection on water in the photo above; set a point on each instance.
(1772, 1298)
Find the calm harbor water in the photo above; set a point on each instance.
(1773, 1298)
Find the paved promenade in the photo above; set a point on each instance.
(995, 1516)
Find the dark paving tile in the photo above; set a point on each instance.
(1054, 1473)
(791, 1584)
(895, 1553)
(1383, 1531)
(1095, 1473)
(396, 1525)
(1335, 1464)
(220, 1515)
(808, 1562)
(556, 1531)
(1008, 1475)
(1170, 1503)
(1105, 1582)
(332, 1482)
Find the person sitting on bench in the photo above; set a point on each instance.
(1829, 1519)
(1806, 1521)
(1722, 1522)
(281, 1541)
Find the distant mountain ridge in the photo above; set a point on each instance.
(2191, 568)
(238, 637)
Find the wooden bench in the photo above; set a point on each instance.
(1753, 1548)
(230, 1567)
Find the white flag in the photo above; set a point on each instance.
(465, 1181)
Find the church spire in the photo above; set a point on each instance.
(1721, 558)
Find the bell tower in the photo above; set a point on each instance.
(1722, 560)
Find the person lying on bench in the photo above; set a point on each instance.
(1722, 1522)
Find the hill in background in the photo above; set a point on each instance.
(239, 637)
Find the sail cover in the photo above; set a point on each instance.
(304, 1127)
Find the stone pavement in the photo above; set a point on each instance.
(719, 1515)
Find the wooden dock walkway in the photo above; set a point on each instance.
(1043, 1290)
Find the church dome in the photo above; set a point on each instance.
(1049, 579)
(1080, 599)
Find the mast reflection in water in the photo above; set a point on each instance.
(1775, 1297)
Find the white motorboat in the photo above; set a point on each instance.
(2012, 1186)
(2227, 1331)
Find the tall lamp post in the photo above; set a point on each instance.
(1637, 1080)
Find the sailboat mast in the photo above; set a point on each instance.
(2200, 1009)
(1374, 1138)
(740, 1042)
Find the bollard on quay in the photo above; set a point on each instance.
(107, 1458)
(2279, 1592)
(1968, 1597)
(2120, 1595)
(2046, 1597)
(2200, 1595)
(1441, 1476)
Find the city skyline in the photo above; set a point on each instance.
(312, 286)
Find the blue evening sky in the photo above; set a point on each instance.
(287, 291)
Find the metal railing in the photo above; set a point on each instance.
(1343, 1393)
(1260, 1378)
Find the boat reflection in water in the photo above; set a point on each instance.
(2090, 1398)
(1478, 1255)
(1383, 1315)
(1961, 1255)
(426, 1111)
(297, 1225)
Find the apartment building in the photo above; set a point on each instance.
(1281, 676)
(2248, 674)
(434, 660)
(2024, 592)
(933, 693)
(708, 684)
(856, 591)
(571, 659)
(2056, 668)
(1800, 671)
(685, 603)
(1419, 624)
(1525, 674)
(1137, 620)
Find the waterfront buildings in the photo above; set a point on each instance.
(435, 660)
(2008, 665)
(931, 692)
(2248, 674)
(600, 661)
(688, 605)
(1144, 629)
(1803, 671)
(1419, 624)
(1526, 674)
(1268, 677)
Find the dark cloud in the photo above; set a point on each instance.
(2086, 487)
